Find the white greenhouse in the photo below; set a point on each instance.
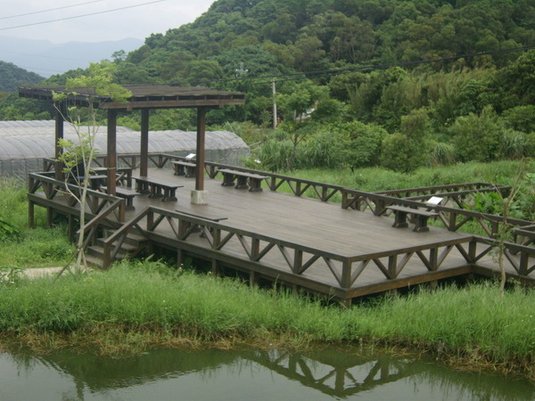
(24, 145)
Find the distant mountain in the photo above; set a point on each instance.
(47, 58)
(12, 76)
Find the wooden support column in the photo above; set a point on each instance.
(59, 133)
(31, 214)
(144, 151)
(111, 159)
(200, 156)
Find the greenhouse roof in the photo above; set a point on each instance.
(35, 139)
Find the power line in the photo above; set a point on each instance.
(51, 9)
(82, 15)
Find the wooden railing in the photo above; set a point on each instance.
(212, 239)
(426, 192)
(97, 201)
(451, 218)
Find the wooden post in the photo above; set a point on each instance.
(59, 133)
(144, 162)
(346, 273)
(215, 267)
(49, 217)
(252, 278)
(179, 257)
(111, 159)
(31, 214)
(200, 157)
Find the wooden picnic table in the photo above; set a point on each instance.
(184, 168)
(157, 188)
(244, 180)
(123, 174)
(419, 217)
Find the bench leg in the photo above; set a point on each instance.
(400, 220)
(179, 170)
(228, 180)
(420, 224)
(242, 183)
(129, 203)
(255, 185)
(190, 172)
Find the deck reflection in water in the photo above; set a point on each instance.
(245, 375)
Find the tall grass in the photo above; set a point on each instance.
(475, 322)
(39, 247)
(380, 179)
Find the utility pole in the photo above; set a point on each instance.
(274, 88)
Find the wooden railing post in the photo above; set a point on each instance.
(150, 220)
(255, 249)
(472, 249)
(346, 273)
(298, 261)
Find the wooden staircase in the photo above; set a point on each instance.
(131, 246)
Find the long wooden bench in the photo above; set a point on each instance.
(156, 188)
(244, 180)
(420, 217)
(184, 168)
(127, 194)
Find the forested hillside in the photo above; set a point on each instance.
(359, 82)
(12, 76)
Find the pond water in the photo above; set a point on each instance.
(209, 375)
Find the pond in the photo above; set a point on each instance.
(208, 375)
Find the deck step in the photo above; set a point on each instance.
(98, 252)
(126, 246)
(94, 261)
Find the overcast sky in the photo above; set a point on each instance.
(138, 22)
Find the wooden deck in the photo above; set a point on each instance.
(303, 242)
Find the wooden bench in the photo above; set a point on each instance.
(127, 194)
(244, 180)
(524, 235)
(420, 217)
(186, 169)
(123, 174)
(97, 180)
(156, 188)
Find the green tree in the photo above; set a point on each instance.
(411, 147)
(77, 156)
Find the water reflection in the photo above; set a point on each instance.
(245, 375)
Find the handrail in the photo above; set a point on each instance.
(352, 197)
(97, 200)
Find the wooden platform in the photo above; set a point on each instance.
(344, 253)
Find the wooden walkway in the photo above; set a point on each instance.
(303, 242)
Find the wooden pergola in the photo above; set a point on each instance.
(144, 98)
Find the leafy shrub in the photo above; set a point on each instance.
(442, 153)
(488, 202)
(477, 137)
(514, 144)
(324, 150)
(520, 118)
(276, 154)
(409, 149)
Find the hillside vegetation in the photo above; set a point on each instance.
(12, 76)
(359, 83)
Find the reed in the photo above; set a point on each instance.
(139, 303)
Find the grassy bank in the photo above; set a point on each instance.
(29, 248)
(136, 306)
(381, 179)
